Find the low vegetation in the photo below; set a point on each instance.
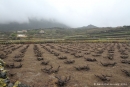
(67, 64)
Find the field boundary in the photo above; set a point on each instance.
(61, 41)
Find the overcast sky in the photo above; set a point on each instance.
(75, 13)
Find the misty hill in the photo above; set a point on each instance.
(89, 27)
(33, 24)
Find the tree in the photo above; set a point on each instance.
(13, 36)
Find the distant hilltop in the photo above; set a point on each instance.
(89, 26)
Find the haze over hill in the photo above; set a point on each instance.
(32, 24)
(74, 13)
(88, 27)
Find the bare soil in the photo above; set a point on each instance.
(30, 73)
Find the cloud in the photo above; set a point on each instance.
(75, 13)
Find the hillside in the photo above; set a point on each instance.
(82, 34)
(88, 27)
(33, 24)
(76, 34)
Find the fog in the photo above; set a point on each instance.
(74, 13)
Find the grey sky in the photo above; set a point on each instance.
(75, 13)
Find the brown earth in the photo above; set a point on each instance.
(31, 73)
